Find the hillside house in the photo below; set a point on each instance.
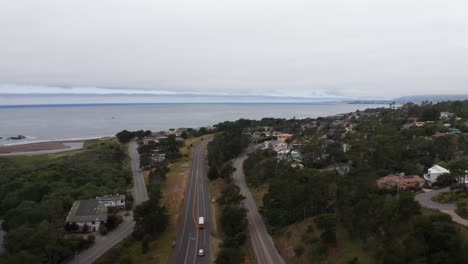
(434, 172)
(91, 213)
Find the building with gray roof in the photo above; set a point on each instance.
(91, 213)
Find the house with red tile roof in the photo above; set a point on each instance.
(405, 182)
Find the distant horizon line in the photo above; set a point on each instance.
(157, 103)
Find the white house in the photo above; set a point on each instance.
(434, 172)
(91, 213)
(113, 200)
(446, 115)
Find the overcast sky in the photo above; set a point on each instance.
(310, 48)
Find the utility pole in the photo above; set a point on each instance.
(398, 188)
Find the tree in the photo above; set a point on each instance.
(229, 256)
(327, 223)
(150, 218)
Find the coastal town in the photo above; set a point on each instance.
(289, 165)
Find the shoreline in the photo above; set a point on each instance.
(43, 147)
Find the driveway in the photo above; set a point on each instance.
(425, 199)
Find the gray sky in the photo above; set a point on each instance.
(325, 48)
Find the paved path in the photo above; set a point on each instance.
(104, 243)
(425, 199)
(262, 243)
(197, 203)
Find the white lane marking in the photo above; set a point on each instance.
(188, 198)
(188, 247)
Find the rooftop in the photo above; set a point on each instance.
(111, 197)
(87, 211)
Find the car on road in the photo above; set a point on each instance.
(201, 252)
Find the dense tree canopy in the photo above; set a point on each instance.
(37, 192)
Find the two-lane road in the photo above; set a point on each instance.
(262, 243)
(197, 203)
(140, 193)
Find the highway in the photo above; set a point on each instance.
(197, 202)
(263, 245)
(104, 243)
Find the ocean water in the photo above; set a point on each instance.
(45, 123)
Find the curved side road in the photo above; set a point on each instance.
(425, 199)
(262, 243)
(104, 243)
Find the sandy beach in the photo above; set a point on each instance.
(41, 148)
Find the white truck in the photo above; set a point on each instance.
(201, 222)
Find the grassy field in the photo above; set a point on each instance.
(215, 192)
(173, 190)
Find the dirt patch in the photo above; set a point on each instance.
(293, 236)
(176, 193)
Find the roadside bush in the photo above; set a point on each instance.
(113, 221)
(91, 238)
(462, 208)
(103, 230)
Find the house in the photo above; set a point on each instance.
(159, 157)
(434, 172)
(148, 139)
(404, 182)
(288, 154)
(279, 146)
(406, 126)
(269, 144)
(178, 132)
(113, 200)
(284, 137)
(346, 147)
(297, 164)
(446, 115)
(343, 168)
(91, 213)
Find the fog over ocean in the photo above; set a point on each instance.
(42, 123)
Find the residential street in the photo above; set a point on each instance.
(425, 199)
(262, 243)
(104, 243)
(197, 204)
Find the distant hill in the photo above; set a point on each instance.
(432, 98)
